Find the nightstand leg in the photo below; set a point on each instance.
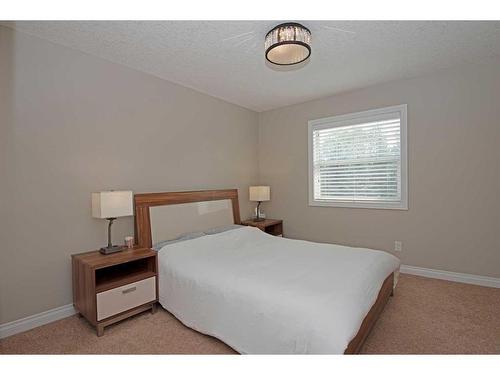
(153, 308)
(100, 330)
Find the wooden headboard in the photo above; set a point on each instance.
(143, 203)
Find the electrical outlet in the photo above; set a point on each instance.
(398, 246)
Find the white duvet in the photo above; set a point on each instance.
(262, 294)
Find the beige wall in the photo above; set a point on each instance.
(82, 124)
(453, 221)
(72, 124)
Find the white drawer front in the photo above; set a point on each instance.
(125, 297)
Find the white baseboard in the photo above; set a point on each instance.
(33, 321)
(466, 278)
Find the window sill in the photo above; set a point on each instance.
(373, 205)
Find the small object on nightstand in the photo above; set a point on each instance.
(110, 288)
(271, 226)
(129, 242)
(109, 205)
(259, 194)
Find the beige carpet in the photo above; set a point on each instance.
(424, 316)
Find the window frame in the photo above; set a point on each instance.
(349, 119)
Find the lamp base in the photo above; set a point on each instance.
(259, 219)
(110, 250)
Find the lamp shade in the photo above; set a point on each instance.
(260, 193)
(112, 204)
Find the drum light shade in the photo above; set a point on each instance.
(288, 44)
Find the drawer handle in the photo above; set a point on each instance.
(129, 290)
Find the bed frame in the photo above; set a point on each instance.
(143, 202)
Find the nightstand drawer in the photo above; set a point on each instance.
(117, 300)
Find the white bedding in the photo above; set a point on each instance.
(262, 294)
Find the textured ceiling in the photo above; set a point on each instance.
(226, 59)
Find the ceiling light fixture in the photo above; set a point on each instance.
(288, 44)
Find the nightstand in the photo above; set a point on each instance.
(110, 288)
(271, 226)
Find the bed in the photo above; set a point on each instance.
(258, 293)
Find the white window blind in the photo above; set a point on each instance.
(359, 160)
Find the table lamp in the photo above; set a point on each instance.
(110, 205)
(259, 194)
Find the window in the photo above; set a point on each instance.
(359, 160)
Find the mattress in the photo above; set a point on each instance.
(262, 294)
